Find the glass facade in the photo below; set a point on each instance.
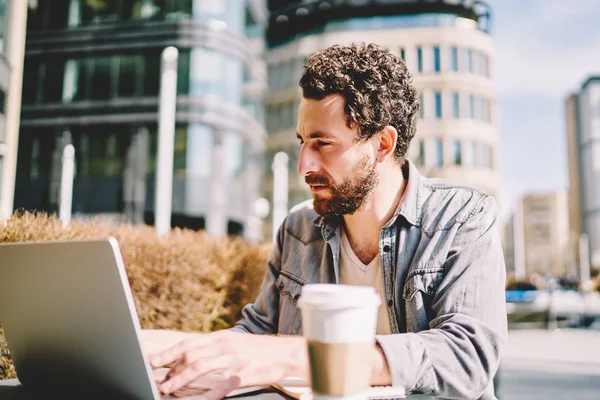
(127, 75)
(117, 92)
(419, 59)
(68, 14)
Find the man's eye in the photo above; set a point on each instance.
(321, 143)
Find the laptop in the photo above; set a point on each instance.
(70, 321)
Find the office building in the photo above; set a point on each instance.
(583, 139)
(446, 45)
(537, 237)
(92, 79)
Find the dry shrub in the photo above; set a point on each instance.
(186, 280)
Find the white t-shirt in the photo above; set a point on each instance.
(354, 272)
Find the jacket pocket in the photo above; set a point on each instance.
(425, 281)
(418, 292)
(290, 318)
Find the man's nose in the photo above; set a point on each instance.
(307, 162)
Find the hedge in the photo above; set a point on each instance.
(186, 280)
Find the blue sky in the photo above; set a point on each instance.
(544, 50)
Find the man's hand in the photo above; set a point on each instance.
(380, 375)
(157, 340)
(244, 359)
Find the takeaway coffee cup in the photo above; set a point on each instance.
(339, 323)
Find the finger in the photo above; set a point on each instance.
(224, 387)
(175, 352)
(187, 359)
(190, 373)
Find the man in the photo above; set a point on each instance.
(430, 247)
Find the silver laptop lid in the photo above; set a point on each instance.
(69, 318)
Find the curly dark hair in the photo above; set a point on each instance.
(376, 85)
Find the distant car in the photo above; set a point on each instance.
(521, 296)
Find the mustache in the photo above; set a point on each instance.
(314, 179)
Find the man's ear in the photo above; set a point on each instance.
(386, 142)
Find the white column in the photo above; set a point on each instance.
(216, 221)
(280, 189)
(15, 51)
(166, 141)
(74, 13)
(66, 185)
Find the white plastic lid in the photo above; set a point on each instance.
(337, 296)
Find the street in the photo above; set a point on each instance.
(561, 364)
(518, 384)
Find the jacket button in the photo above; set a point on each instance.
(390, 303)
(386, 248)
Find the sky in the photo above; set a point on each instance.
(544, 51)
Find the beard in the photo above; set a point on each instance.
(348, 196)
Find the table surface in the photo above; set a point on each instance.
(11, 390)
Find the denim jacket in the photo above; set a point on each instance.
(444, 283)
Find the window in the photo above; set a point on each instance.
(31, 75)
(471, 106)
(128, 72)
(421, 106)
(180, 149)
(482, 64)
(183, 72)
(454, 58)
(56, 16)
(421, 158)
(475, 161)
(483, 156)
(100, 80)
(438, 105)
(420, 59)
(53, 81)
(470, 61)
(483, 109)
(151, 74)
(439, 147)
(403, 54)
(457, 153)
(2, 102)
(107, 150)
(97, 12)
(436, 59)
(34, 170)
(455, 105)
(287, 115)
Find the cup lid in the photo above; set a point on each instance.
(336, 296)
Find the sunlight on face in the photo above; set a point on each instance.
(339, 169)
